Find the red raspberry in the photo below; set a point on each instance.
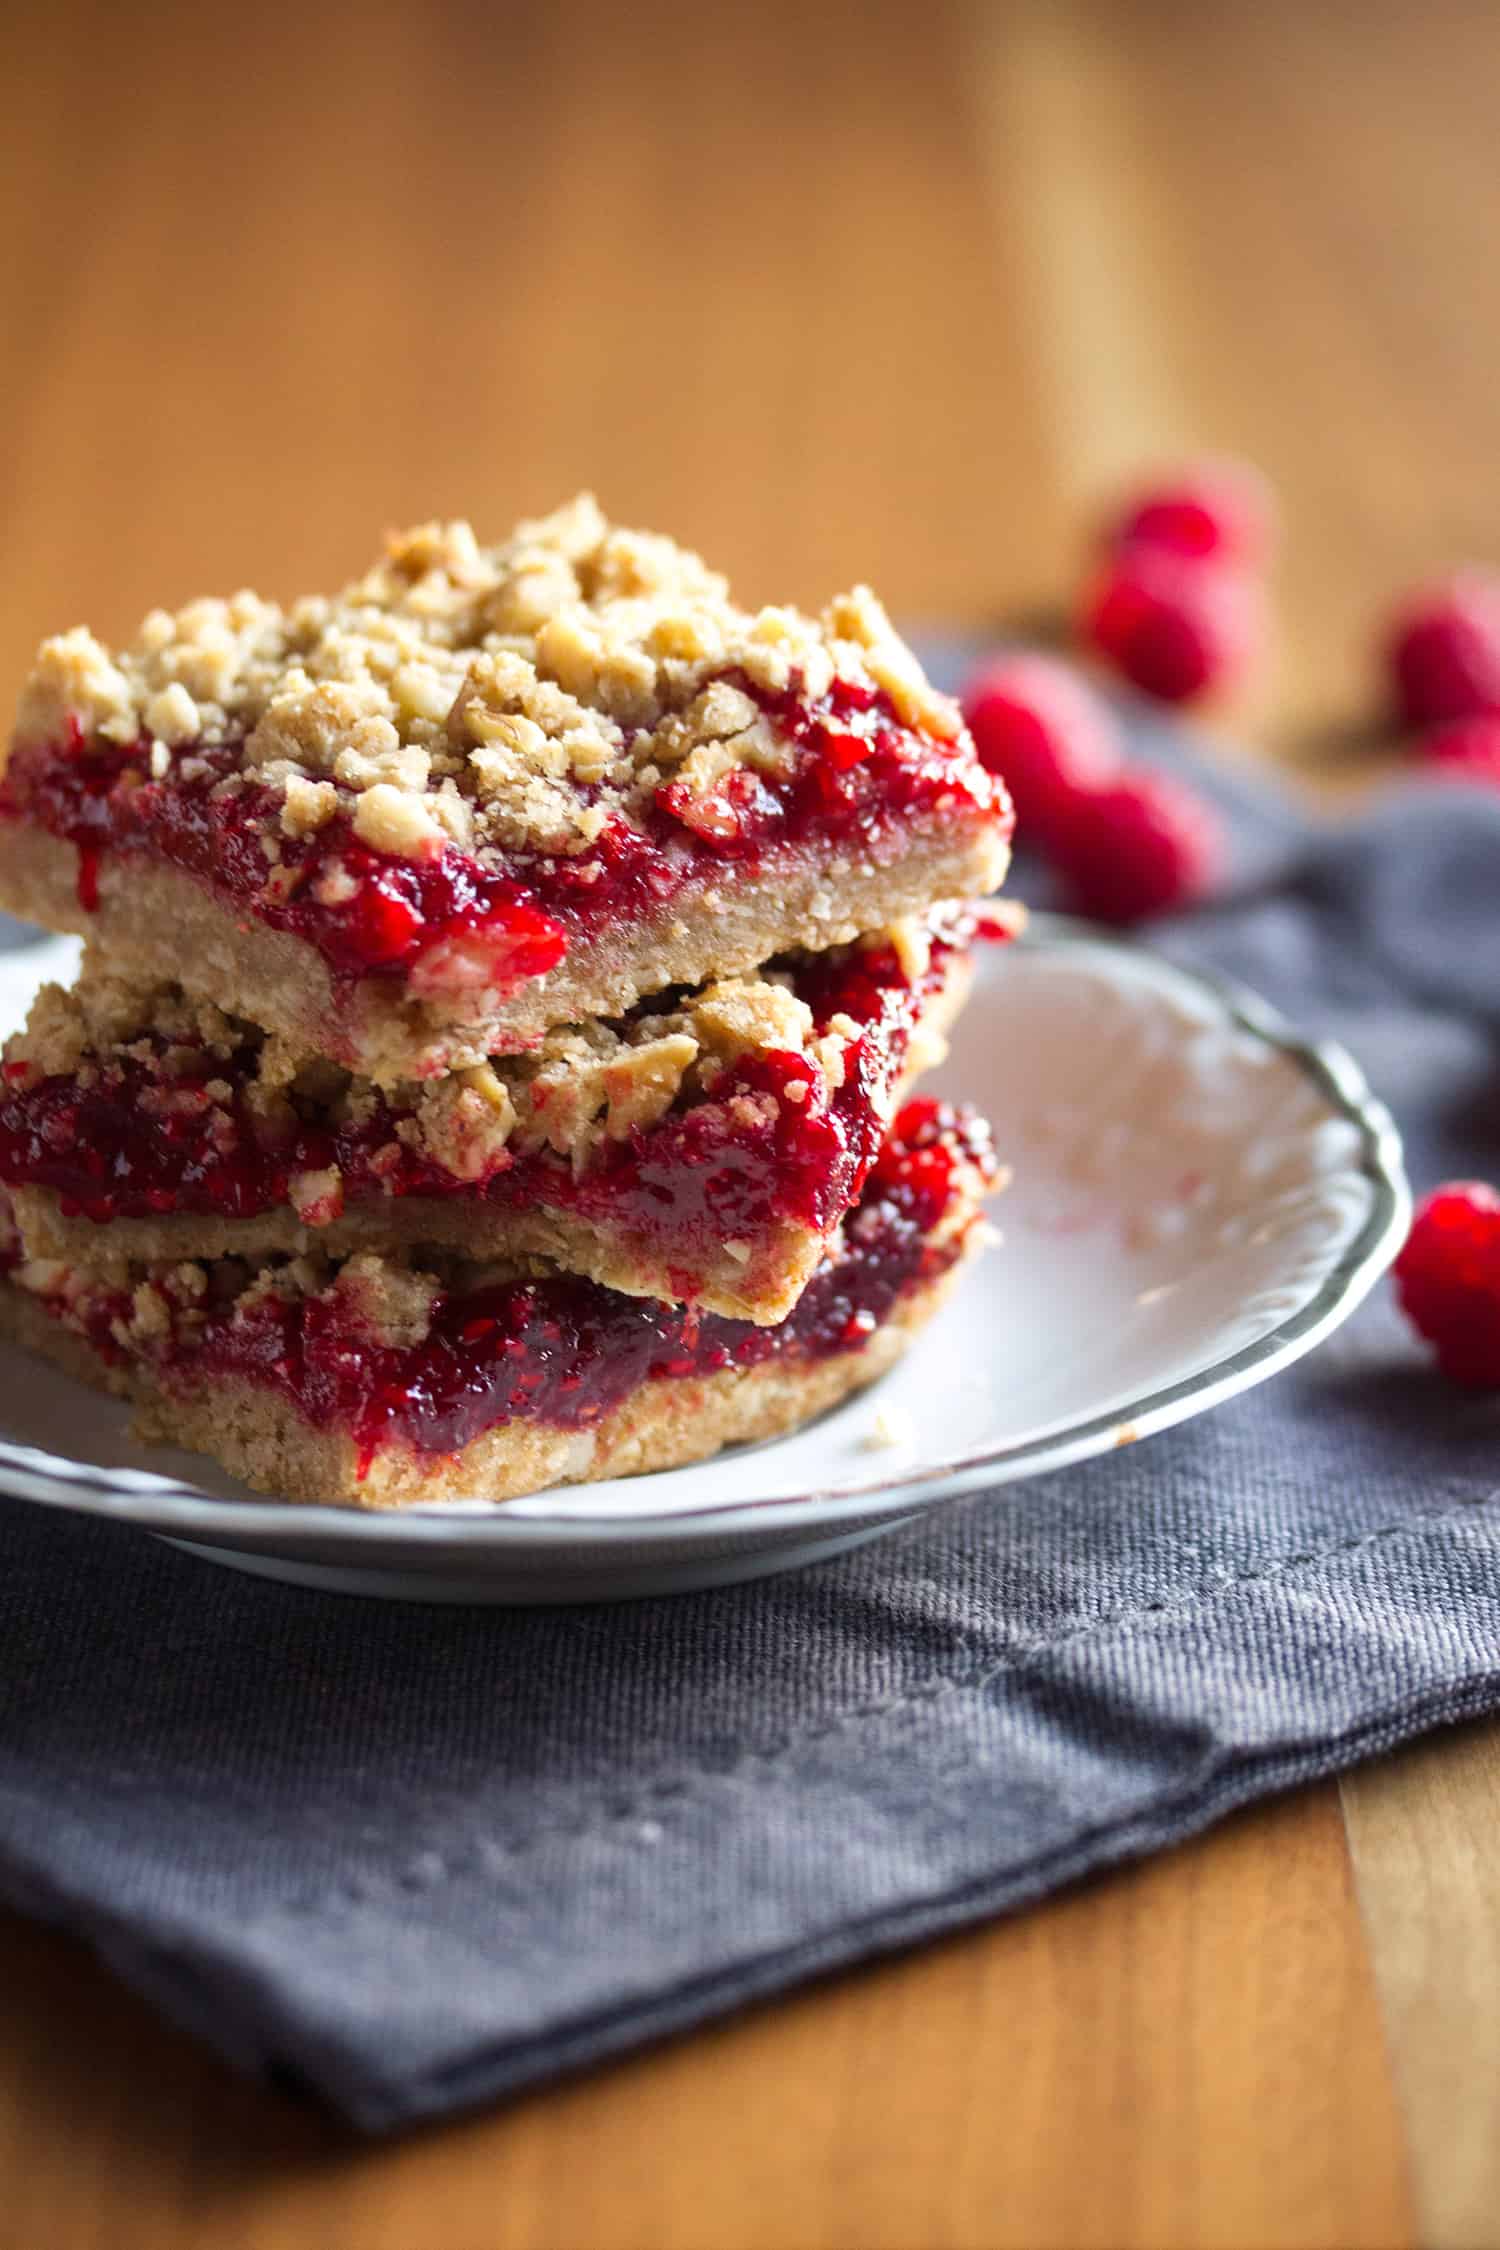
(1141, 846)
(1467, 750)
(1443, 649)
(1218, 511)
(1448, 1280)
(1174, 628)
(1038, 726)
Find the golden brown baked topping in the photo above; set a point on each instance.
(501, 698)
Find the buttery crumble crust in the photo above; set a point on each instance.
(758, 1279)
(499, 698)
(583, 1084)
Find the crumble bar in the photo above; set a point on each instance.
(383, 1383)
(486, 790)
(701, 1149)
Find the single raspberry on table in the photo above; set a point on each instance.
(1140, 846)
(1219, 511)
(1448, 1280)
(1465, 749)
(1047, 735)
(1443, 650)
(1174, 628)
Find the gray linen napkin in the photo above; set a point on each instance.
(412, 1858)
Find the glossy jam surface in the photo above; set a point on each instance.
(566, 1352)
(127, 1140)
(449, 920)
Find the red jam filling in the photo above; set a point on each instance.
(860, 772)
(565, 1352)
(133, 1142)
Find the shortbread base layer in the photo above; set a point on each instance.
(156, 923)
(670, 1421)
(762, 1286)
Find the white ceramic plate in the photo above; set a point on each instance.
(1199, 1197)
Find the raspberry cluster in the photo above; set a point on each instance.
(1126, 842)
(1175, 607)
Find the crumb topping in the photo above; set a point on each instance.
(158, 1309)
(498, 698)
(385, 1299)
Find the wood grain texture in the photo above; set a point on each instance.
(893, 291)
(1422, 1829)
(1188, 2053)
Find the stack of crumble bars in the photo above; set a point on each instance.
(503, 982)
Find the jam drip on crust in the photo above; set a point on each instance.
(151, 1131)
(554, 1350)
(449, 920)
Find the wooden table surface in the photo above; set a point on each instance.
(832, 291)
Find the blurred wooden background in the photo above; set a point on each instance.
(892, 291)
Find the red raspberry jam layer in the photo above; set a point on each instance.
(768, 1144)
(860, 773)
(566, 1352)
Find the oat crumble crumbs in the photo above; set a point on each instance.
(389, 1299)
(498, 698)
